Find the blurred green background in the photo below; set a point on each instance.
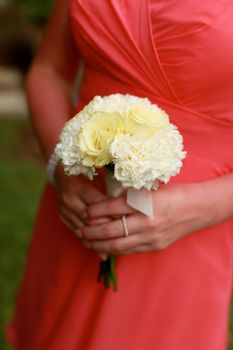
(22, 171)
(34, 11)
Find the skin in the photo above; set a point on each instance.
(179, 209)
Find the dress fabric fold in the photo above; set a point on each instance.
(179, 55)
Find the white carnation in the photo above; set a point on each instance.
(141, 162)
(68, 150)
(145, 149)
(114, 103)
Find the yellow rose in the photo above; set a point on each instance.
(96, 136)
(144, 120)
(100, 130)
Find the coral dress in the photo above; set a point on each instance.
(179, 54)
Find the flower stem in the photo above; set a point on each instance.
(107, 272)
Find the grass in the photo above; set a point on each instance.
(21, 181)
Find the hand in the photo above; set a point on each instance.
(178, 210)
(75, 193)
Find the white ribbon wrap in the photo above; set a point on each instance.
(140, 200)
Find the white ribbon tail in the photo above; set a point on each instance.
(141, 200)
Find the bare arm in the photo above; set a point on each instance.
(48, 86)
(179, 209)
(50, 79)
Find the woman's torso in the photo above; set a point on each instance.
(176, 53)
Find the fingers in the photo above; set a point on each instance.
(71, 220)
(70, 213)
(75, 194)
(67, 223)
(73, 205)
(92, 223)
(90, 194)
(76, 191)
(74, 223)
(109, 207)
(114, 228)
(72, 202)
(98, 221)
(136, 243)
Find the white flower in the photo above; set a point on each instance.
(68, 150)
(141, 162)
(114, 103)
(127, 131)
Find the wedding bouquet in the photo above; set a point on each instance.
(134, 140)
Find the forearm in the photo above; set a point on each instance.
(51, 77)
(215, 198)
(49, 103)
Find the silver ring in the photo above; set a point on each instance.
(124, 223)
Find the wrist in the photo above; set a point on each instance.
(214, 198)
(203, 204)
(198, 210)
(51, 167)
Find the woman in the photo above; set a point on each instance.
(176, 294)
